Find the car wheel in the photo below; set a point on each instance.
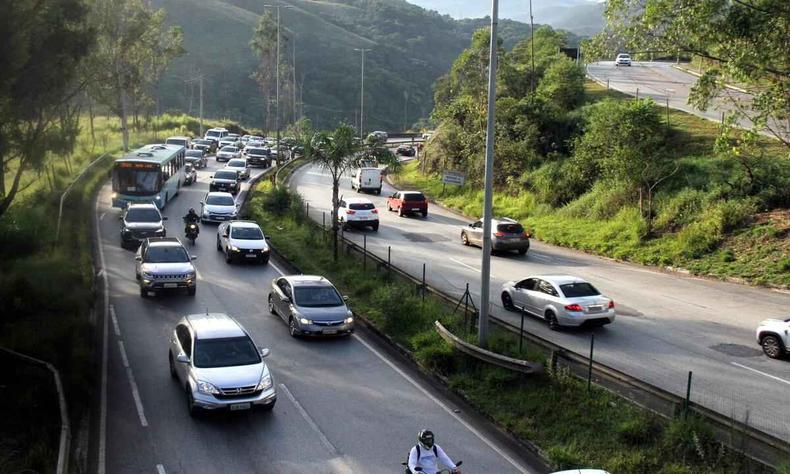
(269, 407)
(400, 211)
(264, 261)
(507, 302)
(772, 347)
(424, 214)
(192, 409)
(143, 292)
(271, 305)
(228, 258)
(522, 251)
(375, 226)
(551, 318)
(172, 365)
(389, 208)
(464, 238)
(292, 327)
(219, 246)
(192, 291)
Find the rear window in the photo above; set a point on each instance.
(577, 290)
(176, 141)
(237, 163)
(510, 228)
(226, 175)
(195, 153)
(361, 206)
(413, 197)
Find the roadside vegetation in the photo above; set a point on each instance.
(591, 430)
(609, 174)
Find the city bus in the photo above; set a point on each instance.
(153, 173)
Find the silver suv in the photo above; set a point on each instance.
(506, 234)
(311, 306)
(219, 367)
(164, 264)
(774, 337)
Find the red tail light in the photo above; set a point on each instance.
(526, 234)
(375, 211)
(611, 304)
(499, 234)
(574, 307)
(349, 211)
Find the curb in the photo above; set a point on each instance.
(695, 73)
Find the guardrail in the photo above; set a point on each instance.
(518, 365)
(68, 189)
(65, 429)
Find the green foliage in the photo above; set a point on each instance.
(563, 84)
(639, 431)
(714, 222)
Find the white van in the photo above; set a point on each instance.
(367, 179)
(216, 134)
(185, 142)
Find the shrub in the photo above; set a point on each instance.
(433, 352)
(707, 232)
(555, 183)
(679, 210)
(277, 201)
(689, 437)
(603, 201)
(639, 431)
(566, 457)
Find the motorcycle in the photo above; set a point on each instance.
(191, 231)
(441, 471)
(190, 174)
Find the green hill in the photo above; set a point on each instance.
(410, 49)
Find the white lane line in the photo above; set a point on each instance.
(761, 373)
(309, 420)
(160, 469)
(136, 395)
(115, 327)
(123, 354)
(449, 411)
(102, 454)
(101, 217)
(276, 268)
(464, 265)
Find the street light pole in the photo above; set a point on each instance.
(485, 274)
(362, 94)
(277, 86)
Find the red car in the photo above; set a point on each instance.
(408, 202)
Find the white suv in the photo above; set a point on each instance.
(358, 212)
(623, 60)
(774, 337)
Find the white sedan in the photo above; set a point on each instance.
(228, 153)
(242, 241)
(239, 165)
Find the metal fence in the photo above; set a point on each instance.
(732, 418)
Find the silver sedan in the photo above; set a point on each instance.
(562, 300)
(311, 306)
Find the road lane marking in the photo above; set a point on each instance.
(136, 395)
(116, 328)
(464, 265)
(761, 373)
(160, 469)
(123, 354)
(309, 420)
(101, 217)
(449, 411)
(102, 454)
(276, 268)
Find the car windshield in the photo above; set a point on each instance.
(361, 206)
(577, 290)
(176, 141)
(413, 197)
(226, 175)
(166, 254)
(246, 233)
(256, 151)
(225, 352)
(237, 163)
(317, 296)
(213, 133)
(230, 149)
(143, 215)
(510, 228)
(219, 200)
(195, 153)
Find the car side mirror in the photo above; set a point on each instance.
(345, 297)
(212, 176)
(164, 218)
(194, 257)
(183, 358)
(139, 258)
(286, 299)
(264, 351)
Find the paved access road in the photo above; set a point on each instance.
(344, 405)
(661, 81)
(667, 325)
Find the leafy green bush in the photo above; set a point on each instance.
(566, 457)
(434, 353)
(639, 431)
(704, 234)
(679, 210)
(603, 201)
(688, 437)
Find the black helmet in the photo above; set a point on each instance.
(425, 437)
(191, 210)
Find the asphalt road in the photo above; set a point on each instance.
(344, 405)
(667, 325)
(661, 81)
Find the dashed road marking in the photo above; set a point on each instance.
(116, 328)
(328, 444)
(778, 379)
(160, 469)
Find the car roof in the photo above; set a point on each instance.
(308, 280)
(560, 279)
(249, 224)
(141, 205)
(214, 325)
(358, 200)
(219, 193)
(164, 242)
(179, 138)
(411, 192)
(217, 129)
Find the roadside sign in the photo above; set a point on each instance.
(453, 177)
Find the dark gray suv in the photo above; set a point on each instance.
(506, 234)
(310, 305)
(139, 222)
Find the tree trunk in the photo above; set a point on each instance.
(2, 175)
(124, 121)
(91, 116)
(335, 206)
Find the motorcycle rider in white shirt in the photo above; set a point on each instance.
(427, 455)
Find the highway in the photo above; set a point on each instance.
(667, 325)
(661, 81)
(344, 405)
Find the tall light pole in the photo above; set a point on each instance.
(532, 45)
(362, 94)
(199, 79)
(485, 274)
(277, 72)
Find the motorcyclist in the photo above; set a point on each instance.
(427, 455)
(192, 217)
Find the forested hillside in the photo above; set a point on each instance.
(410, 49)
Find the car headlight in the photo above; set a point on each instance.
(265, 383)
(126, 231)
(114, 195)
(207, 388)
(233, 248)
(349, 320)
(305, 321)
(205, 213)
(190, 275)
(147, 275)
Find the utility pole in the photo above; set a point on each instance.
(532, 45)
(405, 110)
(199, 79)
(362, 94)
(277, 72)
(293, 75)
(485, 274)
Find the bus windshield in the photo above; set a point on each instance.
(136, 182)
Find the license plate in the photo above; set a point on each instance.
(170, 285)
(595, 308)
(250, 255)
(240, 406)
(330, 331)
(415, 208)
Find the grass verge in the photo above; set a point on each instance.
(585, 429)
